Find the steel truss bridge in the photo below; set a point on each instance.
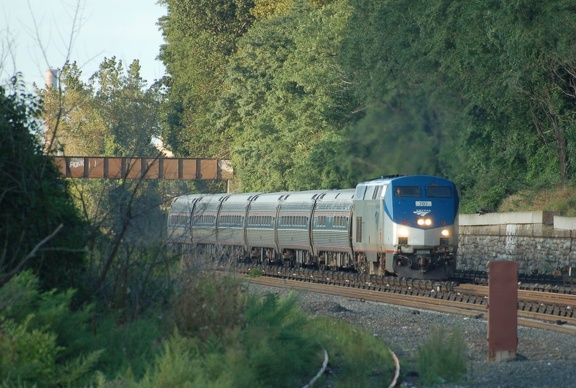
(143, 168)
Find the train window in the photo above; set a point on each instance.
(438, 191)
(338, 221)
(178, 219)
(230, 220)
(407, 191)
(370, 190)
(377, 192)
(360, 190)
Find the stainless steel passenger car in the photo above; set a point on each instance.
(331, 227)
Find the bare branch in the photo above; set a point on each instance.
(30, 255)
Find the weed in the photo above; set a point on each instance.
(442, 358)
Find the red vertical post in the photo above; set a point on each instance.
(502, 310)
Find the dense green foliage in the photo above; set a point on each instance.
(200, 36)
(42, 342)
(40, 228)
(229, 337)
(262, 341)
(312, 94)
(286, 108)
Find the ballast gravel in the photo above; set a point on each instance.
(545, 358)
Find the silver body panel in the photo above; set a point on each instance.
(232, 219)
(261, 225)
(331, 222)
(294, 220)
(179, 219)
(204, 219)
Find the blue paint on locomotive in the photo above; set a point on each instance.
(410, 198)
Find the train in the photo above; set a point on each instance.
(395, 225)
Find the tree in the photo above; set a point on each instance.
(200, 37)
(39, 227)
(508, 60)
(490, 82)
(115, 114)
(285, 106)
(410, 118)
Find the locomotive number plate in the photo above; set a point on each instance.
(423, 203)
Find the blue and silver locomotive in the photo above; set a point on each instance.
(402, 225)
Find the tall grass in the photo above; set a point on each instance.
(442, 358)
(357, 358)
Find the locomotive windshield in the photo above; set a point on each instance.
(407, 191)
(438, 192)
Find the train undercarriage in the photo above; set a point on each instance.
(437, 263)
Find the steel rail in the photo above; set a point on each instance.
(471, 308)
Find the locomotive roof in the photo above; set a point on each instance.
(389, 178)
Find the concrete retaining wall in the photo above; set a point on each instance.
(541, 242)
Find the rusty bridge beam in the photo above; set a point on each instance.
(143, 168)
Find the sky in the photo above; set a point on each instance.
(36, 35)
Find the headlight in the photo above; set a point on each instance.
(402, 232)
(424, 221)
(445, 232)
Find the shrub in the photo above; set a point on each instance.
(279, 347)
(41, 339)
(208, 305)
(127, 348)
(227, 338)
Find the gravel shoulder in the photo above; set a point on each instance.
(545, 358)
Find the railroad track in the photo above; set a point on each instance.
(547, 310)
